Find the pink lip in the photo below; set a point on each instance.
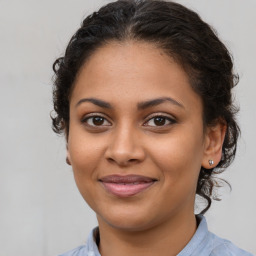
(125, 186)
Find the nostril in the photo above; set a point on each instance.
(124, 155)
(111, 160)
(122, 162)
(132, 160)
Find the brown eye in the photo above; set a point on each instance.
(94, 121)
(98, 120)
(160, 121)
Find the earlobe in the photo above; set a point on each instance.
(211, 162)
(213, 145)
(68, 156)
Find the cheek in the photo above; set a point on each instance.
(85, 154)
(84, 157)
(179, 163)
(178, 157)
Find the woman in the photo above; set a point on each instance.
(143, 95)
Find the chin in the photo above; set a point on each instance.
(128, 221)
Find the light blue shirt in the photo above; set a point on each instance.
(203, 243)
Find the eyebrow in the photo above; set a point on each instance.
(100, 103)
(158, 101)
(140, 106)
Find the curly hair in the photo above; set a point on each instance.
(182, 34)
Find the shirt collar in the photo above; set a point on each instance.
(199, 237)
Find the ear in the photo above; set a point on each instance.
(66, 131)
(68, 156)
(214, 138)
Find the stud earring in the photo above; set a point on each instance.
(211, 162)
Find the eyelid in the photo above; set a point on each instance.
(169, 117)
(164, 115)
(91, 115)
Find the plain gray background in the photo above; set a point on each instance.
(41, 211)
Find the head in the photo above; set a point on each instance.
(175, 33)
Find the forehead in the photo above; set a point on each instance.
(129, 58)
(132, 70)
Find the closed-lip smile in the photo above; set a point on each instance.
(126, 185)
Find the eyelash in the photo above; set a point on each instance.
(166, 118)
(86, 119)
(153, 118)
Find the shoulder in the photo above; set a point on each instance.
(205, 243)
(79, 251)
(88, 249)
(224, 247)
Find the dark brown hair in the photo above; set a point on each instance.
(183, 35)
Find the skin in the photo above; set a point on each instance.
(129, 140)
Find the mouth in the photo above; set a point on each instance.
(126, 186)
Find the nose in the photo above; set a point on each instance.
(125, 147)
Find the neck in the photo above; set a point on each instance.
(168, 238)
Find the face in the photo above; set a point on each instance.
(136, 140)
